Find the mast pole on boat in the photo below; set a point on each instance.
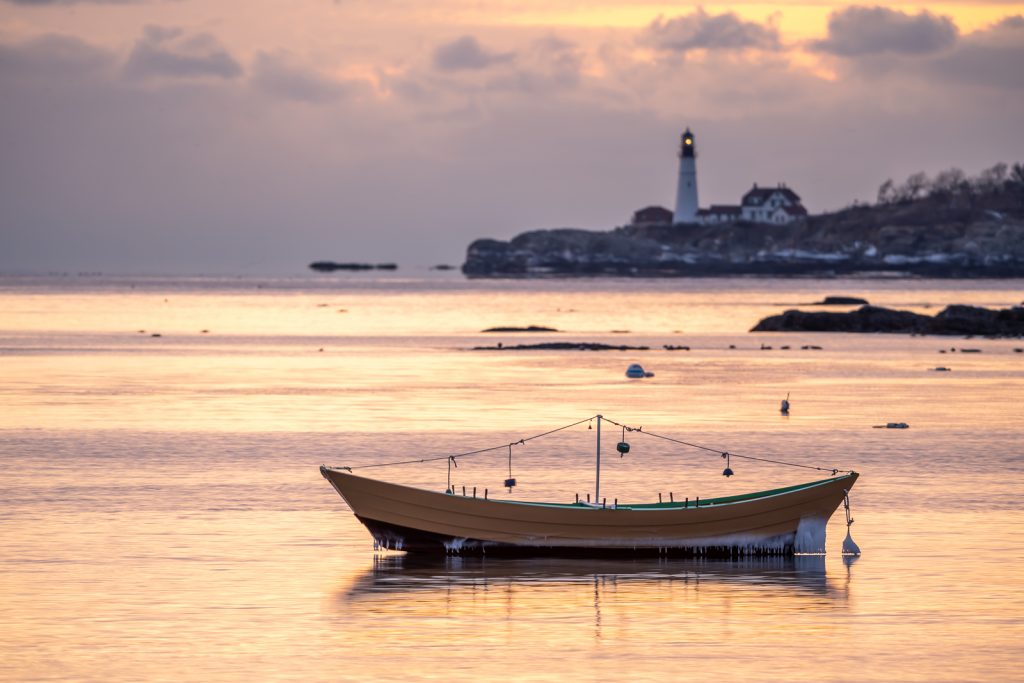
(597, 483)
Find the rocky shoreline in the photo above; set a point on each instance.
(946, 235)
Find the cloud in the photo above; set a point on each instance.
(465, 53)
(703, 31)
(170, 53)
(280, 75)
(43, 3)
(990, 57)
(861, 31)
(53, 55)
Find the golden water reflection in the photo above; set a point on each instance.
(163, 516)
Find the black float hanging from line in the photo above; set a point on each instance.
(622, 447)
(727, 472)
(510, 482)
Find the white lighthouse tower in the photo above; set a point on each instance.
(686, 190)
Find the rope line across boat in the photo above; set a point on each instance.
(724, 454)
(467, 454)
(452, 458)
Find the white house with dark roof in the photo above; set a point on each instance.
(773, 205)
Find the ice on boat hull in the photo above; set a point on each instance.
(393, 537)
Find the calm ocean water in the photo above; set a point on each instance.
(163, 517)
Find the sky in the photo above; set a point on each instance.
(188, 136)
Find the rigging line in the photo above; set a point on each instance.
(833, 470)
(469, 453)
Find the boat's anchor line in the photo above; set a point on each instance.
(786, 521)
(849, 547)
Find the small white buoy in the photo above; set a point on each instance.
(636, 371)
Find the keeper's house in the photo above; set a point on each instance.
(774, 205)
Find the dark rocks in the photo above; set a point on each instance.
(530, 328)
(864, 319)
(331, 266)
(953, 320)
(980, 321)
(841, 301)
(562, 346)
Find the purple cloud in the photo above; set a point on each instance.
(703, 31)
(861, 31)
(169, 53)
(466, 53)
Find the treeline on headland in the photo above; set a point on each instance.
(998, 187)
(950, 225)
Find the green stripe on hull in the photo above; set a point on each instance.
(673, 505)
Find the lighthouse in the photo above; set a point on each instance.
(686, 190)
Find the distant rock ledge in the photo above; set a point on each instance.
(928, 238)
(331, 266)
(953, 320)
(841, 301)
(563, 346)
(530, 328)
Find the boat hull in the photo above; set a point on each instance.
(419, 521)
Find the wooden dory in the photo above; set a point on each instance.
(775, 522)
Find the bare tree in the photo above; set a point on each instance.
(991, 180)
(911, 189)
(1016, 183)
(947, 183)
(887, 192)
(916, 184)
(1017, 174)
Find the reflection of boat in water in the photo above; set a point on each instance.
(405, 575)
(774, 522)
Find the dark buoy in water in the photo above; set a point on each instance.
(784, 408)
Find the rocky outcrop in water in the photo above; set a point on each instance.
(530, 328)
(841, 301)
(562, 346)
(953, 320)
(331, 266)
